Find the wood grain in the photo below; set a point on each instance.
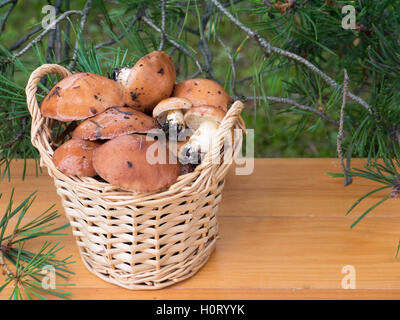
(284, 235)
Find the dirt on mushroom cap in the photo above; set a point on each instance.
(123, 162)
(150, 80)
(74, 157)
(114, 122)
(80, 96)
(203, 92)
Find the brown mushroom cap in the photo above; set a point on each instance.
(114, 122)
(150, 80)
(169, 104)
(196, 115)
(122, 162)
(80, 96)
(74, 157)
(203, 92)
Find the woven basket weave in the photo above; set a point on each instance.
(147, 240)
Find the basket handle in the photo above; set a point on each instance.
(31, 89)
(231, 119)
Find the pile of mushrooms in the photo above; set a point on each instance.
(113, 117)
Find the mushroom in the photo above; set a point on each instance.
(205, 120)
(124, 162)
(80, 96)
(169, 115)
(114, 122)
(203, 92)
(150, 80)
(74, 157)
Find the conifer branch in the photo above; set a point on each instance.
(84, 14)
(161, 46)
(19, 136)
(3, 20)
(44, 33)
(28, 266)
(232, 63)
(347, 178)
(17, 44)
(295, 104)
(267, 48)
(122, 34)
(178, 46)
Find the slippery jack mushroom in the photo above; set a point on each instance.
(74, 157)
(80, 96)
(150, 80)
(169, 115)
(123, 162)
(205, 120)
(203, 92)
(114, 122)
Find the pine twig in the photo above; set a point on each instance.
(347, 178)
(44, 33)
(58, 33)
(120, 36)
(3, 20)
(28, 266)
(203, 44)
(151, 23)
(181, 25)
(162, 40)
(232, 63)
(17, 44)
(84, 14)
(3, 266)
(267, 48)
(67, 31)
(20, 135)
(6, 2)
(295, 104)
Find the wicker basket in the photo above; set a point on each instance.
(139, 241)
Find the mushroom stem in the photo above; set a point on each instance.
(199, 143)
(121, 75)
(175, 122)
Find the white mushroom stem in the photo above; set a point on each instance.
(122, 75)
(201, 139)
(176, 117)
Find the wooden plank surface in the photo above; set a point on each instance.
(284, 235)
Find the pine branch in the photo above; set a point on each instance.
(121, 36)
(28, 266)
(232, 63)
(347, 179)
(3, 20)
(20, 135)
(267, 48)
(43, 34)
(17, 44)
(178, 46)
(203, 44)
(293, 103)
(84, 15)
(6, 2)
(161, 46)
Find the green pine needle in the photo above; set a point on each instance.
(28, 266)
